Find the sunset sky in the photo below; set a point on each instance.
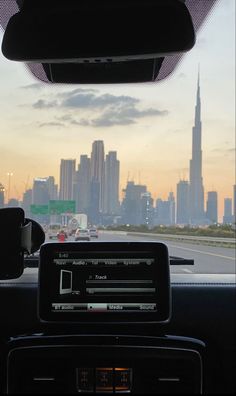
(149, 125)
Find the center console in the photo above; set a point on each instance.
(89, 285)
(105, 364)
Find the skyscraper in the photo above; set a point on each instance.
(212, 207)
(182, 213)
(131, 205)
(171, 200)
(97, 170)
(147, 210)
(82, 196)
(94, 212)
(52, 188)
(27, 201)
(111, 192)
(67, 174)
(234, 203)
(227, 218)
(196, 190)
(40, 195)
(163, 212)
(2, 193)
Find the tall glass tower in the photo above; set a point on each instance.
(98, 170)
(67, 173)
(196, 190)
(112, 174)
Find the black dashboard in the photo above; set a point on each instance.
(192, 352)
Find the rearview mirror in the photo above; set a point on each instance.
(102, 32)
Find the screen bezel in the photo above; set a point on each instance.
(162, 274)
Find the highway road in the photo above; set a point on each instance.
(207, 259)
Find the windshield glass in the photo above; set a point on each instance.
(151, 161)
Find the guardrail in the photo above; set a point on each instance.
(199, 240)
(212, 241)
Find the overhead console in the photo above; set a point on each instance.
(104, 282)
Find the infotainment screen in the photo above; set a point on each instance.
(104, 282)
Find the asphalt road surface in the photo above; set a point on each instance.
(207, 259)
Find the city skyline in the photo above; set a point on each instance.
(137, 205)
(149, 125)
(95, 188)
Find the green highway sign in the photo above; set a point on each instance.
(57, 207)
(39, 209)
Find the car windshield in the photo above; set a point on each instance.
(150, 161)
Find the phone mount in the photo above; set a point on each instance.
(18, 236)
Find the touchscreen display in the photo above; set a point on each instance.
(101, 282)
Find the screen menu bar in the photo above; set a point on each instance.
(104, 307)
(96, 262)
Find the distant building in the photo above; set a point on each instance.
(131, 205)
(182, 212)
(27, 201)
(94, 212)
(228, 217)
(13, 203)
(212, 207)
(163, 212)
(52, 188)
(40, 194)
(111, 190)
(234, 203)
(97, 169)
(82, 190)
(2, 195)
(171, 200)
(67, 174)
(147, 210)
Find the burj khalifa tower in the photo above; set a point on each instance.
(196, 190)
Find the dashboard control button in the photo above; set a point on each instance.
(85, 380)
(104, 380)
(123, 380)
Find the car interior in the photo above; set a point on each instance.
(96, 316)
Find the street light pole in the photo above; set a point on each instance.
(9, 174)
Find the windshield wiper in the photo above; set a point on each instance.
(180, 261)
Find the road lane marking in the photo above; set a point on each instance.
(200, 251)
